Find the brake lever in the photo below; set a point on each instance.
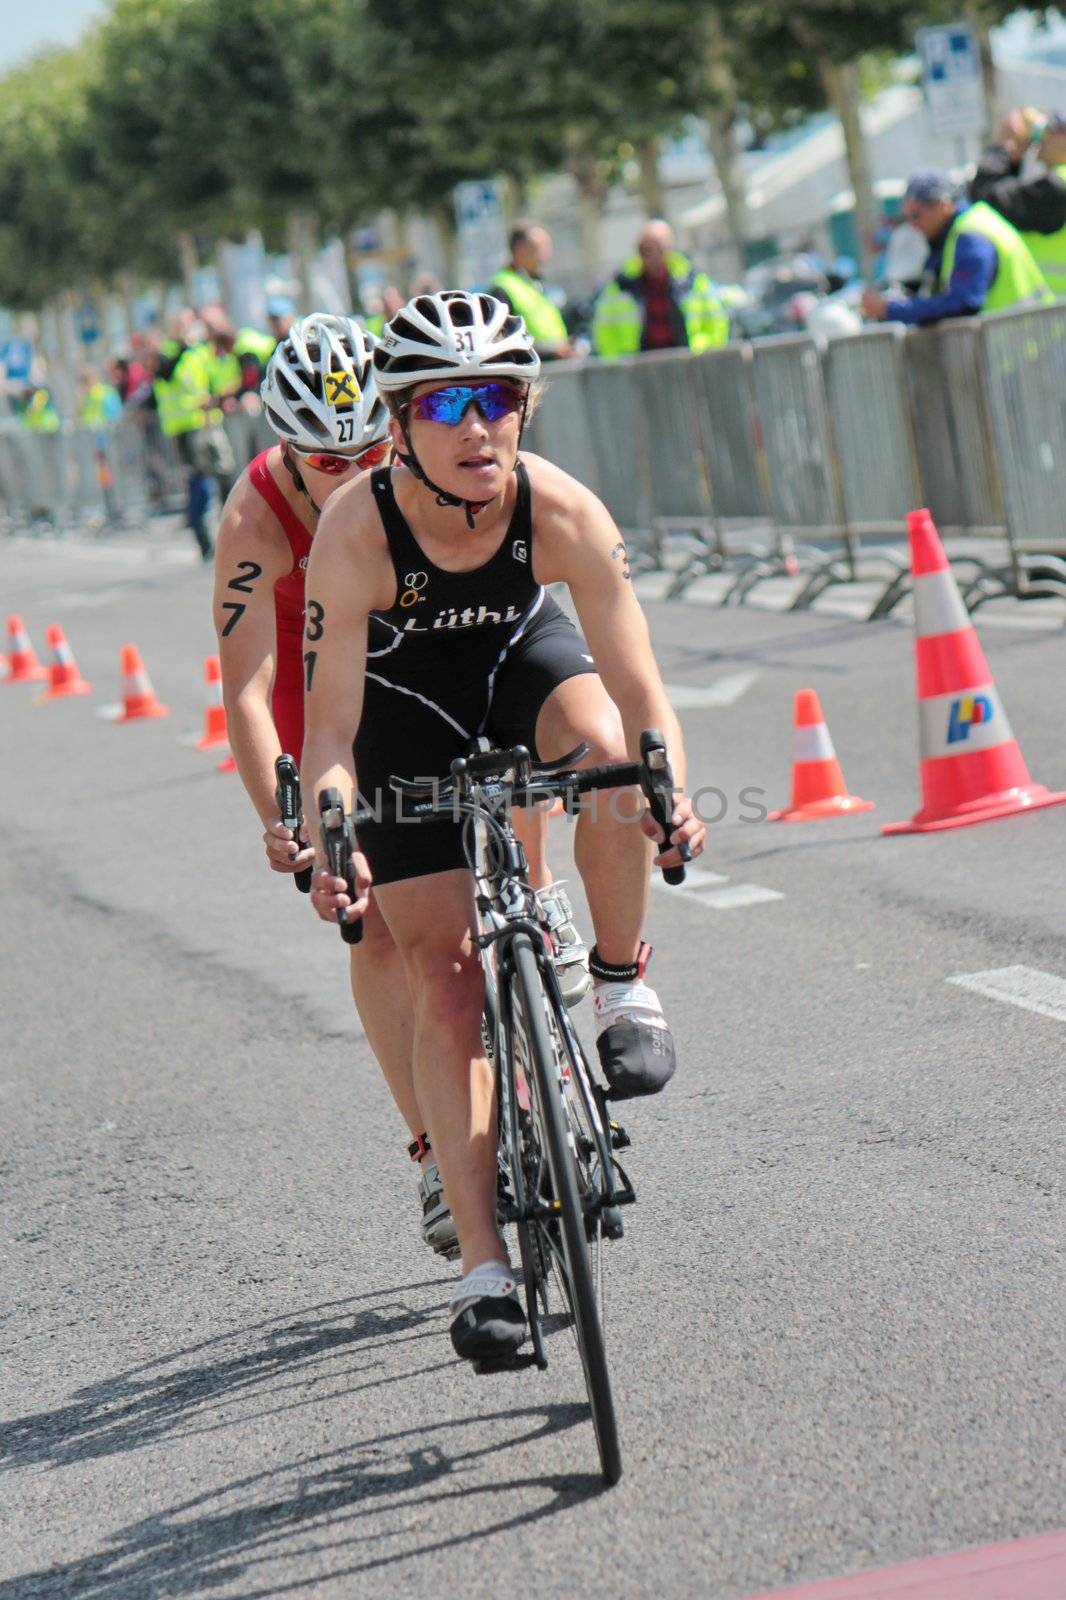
(338, 841)
(657, 782)
(290, 809)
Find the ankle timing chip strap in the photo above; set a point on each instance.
(626, 974)
(419, 1147)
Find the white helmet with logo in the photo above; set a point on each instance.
(319, 391)
(454, 334)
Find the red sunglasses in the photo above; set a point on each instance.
(333, 465)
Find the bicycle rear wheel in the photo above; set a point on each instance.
(573, 1259)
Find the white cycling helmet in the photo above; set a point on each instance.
(319, 391)
(454, 334)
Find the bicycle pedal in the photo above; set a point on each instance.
(613, 1226)
(620, 1139)
(488, 1365)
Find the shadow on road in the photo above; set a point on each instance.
(174, 1396)
(293, 1527)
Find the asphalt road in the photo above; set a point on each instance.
(836, 1317)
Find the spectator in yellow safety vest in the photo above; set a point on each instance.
(98, 403)
(520, 286)
(1034, 201)
(658, 301)
(977, 261)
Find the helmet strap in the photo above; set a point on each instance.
(411, 462)
(294, 474)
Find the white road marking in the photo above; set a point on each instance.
(702, 888)
(737, 895)
(1027, 987)
(724, 692)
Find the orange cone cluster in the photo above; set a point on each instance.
(972, 769)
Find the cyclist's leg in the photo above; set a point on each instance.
(613, 856)
(430, 919)
(379, 989)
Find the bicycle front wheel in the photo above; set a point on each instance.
(576, 1268)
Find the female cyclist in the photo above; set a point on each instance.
(320, 398)
(432, 624)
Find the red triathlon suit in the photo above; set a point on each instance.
(287, 702)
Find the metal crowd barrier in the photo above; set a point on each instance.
(744, 450)
(1024, 363)
(833, 444)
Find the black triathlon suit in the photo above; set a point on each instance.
(459, 654)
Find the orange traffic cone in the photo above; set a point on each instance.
(818, 787)
(138, 696)
(972, 768)
(63, 675)
(22, 663)
(227, 765)
(214, 734)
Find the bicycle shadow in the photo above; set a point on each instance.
(153, 1401)
(239, 1532)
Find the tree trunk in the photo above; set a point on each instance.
(841, 84)
(975, 14)
(651, 183)
(301, 238)
(190, 266)
(722, 111)
(127, 289)
(592, 190)
(443, 215)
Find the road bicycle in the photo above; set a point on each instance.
(561, 1186)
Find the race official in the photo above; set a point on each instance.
(977, 260)
(1033, 201)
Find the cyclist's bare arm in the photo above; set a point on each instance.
(349, 574)
(252, 553)
(578, 544)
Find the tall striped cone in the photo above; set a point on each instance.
(972, 768)
(214, 736)
(818, 787)
(22, 663)
(63, 675)
(138, 696)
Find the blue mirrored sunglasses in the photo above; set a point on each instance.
(493, 400)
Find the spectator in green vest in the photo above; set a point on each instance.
(98, 403)
(658, 301)
(520, 286)
(977, 261)
(1034, 201)
(182, 386)
(39, 413)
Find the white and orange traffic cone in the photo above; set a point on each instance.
(818, 787)
(972, 769)
(63, 675)
(22, 663)
(214, 736)
(138, 696)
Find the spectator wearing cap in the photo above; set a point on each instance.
(977, 260)
(1033, 201)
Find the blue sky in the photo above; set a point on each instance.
(28, 28)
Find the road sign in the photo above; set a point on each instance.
(951, 77)
(482, 232)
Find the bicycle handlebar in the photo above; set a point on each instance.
(530, 783)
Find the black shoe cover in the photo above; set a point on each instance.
(636, 1059)
(493, 1328)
